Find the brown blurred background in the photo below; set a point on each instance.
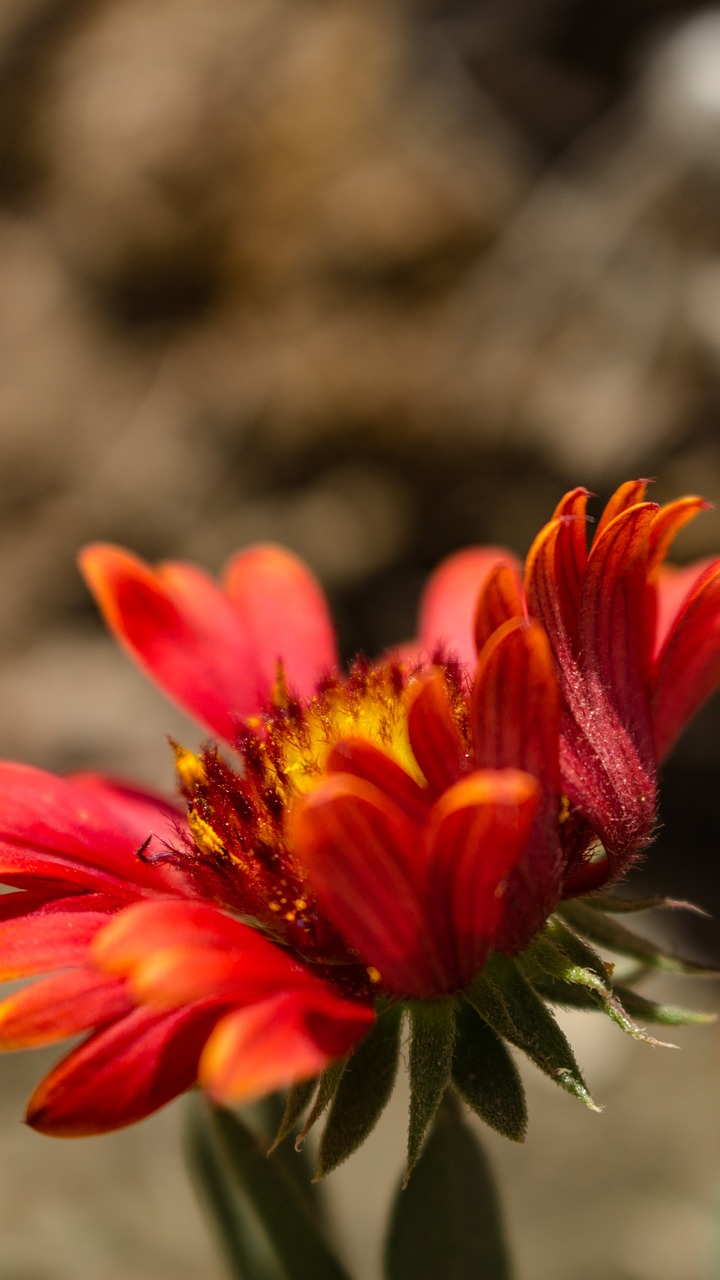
(374, 280)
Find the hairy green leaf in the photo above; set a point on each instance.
(486, 1077)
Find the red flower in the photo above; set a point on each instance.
(388, 831)
(636, 648)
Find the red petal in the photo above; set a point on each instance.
(500, 600)
(180, 627)
(673, 587)
(628, 495)
(514, 709)
(270, 1046)
(433, 732)
(60, 829)
(61, 1006)
(447, 611)
(688, 666)
(362, 858)
(122, 1073)
(140, 936)
(285, 615)
(48, 939)
(613, 637)
(364, 760)
(478, 832)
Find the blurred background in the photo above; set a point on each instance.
(375, 279)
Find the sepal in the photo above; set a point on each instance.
(485, 1075)
(505, 999)
(601, 928)
(362, 1091)
(432, 1032)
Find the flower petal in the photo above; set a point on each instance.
(61, 1006)
(478, 832)
(500, 600)
(136, 939)
(433, 732)
(54, 936)
(361, 856)
(284, 613)
(122, 1073)
(688, 667)
(364, 760)
(62, 829)
(183, 631)
(271, 1045)
(628, 495)
(447, 611)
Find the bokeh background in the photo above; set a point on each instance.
(376, 279)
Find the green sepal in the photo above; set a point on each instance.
(327, 1084)
(559, 953)
(432, 1032)
(609, 933)
(606, 902)
(506, 1000)
(485, 1075)
(447, 1223)
(266, 1226)
(362, 1091)
(299, 1097)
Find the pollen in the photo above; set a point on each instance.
(373, 974)
(190, 768)
(204, 835)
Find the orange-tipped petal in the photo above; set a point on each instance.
(270, 1046)
(478, 832)
(500, 600)
(183, 631)
(628, 495)
(284, 613)
(61, 1006)
(122, 1073)
(688, 666)
(515, 711)
(144, 941)
(434, 736)
(447, 612)
(362, 858)
(364, 760)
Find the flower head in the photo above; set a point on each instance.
(401, 836)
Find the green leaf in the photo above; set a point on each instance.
(432, 1025)
(264, 1203)
(609, 933)
(362, 1092)
(505, 999)
(486, 1077)
(241, 1238)
(665, 1014)
(447, 1224)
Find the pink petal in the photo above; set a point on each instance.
(447, 611)
(183, 631)
(284, 613)
(61, 1006)
(272, 1045)
(688, 666)
(362, 859)
(122, 1073)
(478, 832)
